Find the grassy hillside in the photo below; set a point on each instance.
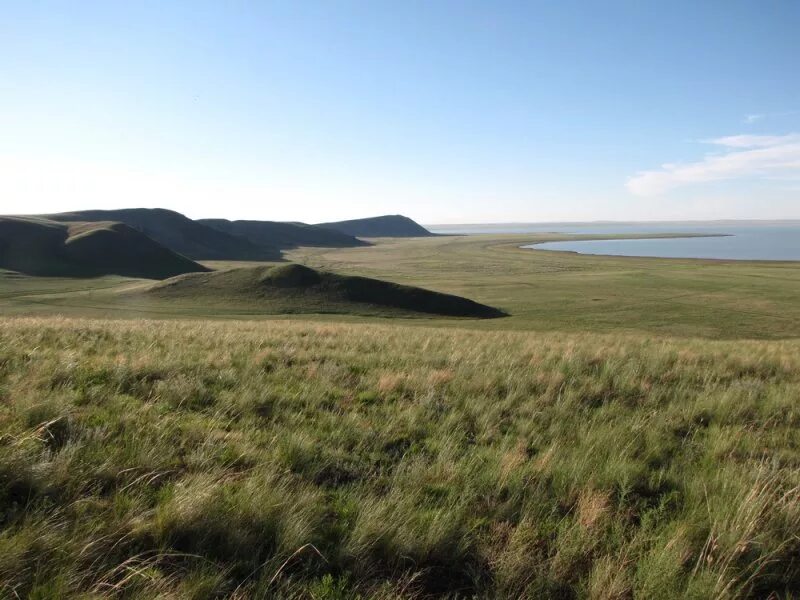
(297, 289)
(383, 226)
(178, 233)
(560, 291)
(541, 290)
(40, 247)
(293, 460)
(284, 235)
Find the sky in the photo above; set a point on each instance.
(446, 111)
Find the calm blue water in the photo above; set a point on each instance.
(745, 241)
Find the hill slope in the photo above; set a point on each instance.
(298, 289)
(178, 233)
(383, 226)
(284, 235)
(41, 247)
(175, 459)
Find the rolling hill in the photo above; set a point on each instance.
(294, 288)
(383, 226)
(284, 235)
(37, 246)
(178, 233)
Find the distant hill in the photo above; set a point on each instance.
(284, 235)
(179, 233)
(36, 246)
(293, 288)
(385, 226)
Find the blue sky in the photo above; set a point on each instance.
(446, 111)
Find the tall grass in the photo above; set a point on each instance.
(300, 460)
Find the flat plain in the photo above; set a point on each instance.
(541, 290)
(630, 430)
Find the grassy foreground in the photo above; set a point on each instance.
(315, 460)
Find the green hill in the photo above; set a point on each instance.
(384, 226)
(178, 233)
(282, 235)
(295, 288)
(36, 246)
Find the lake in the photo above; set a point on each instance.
(743, 241)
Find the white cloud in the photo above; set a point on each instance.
(754, 141)
(746, 156)
(755, 117)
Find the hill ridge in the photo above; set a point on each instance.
(380, 226)
(294, 288)
(36, 246)
(177, 232)
(283, 234)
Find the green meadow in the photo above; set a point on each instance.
(541, 290)
(561, 291)
(630, 430)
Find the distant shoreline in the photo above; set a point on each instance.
(600, 237)
(499, 225)
(644, 237)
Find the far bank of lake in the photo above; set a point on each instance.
(727, 241)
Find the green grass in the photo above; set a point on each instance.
(293, 288)
(383, 226)
(543, 291)
(37, 246)
(182, 459)
(618, 436)
(561, 291)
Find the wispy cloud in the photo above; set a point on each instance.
(756, 117)
(744, 156)
(754, 141)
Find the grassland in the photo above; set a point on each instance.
(543, 291)
(296, 289)
(621, 435)
(562, 291)
(37, 246)
(267, 459)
